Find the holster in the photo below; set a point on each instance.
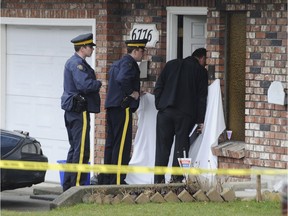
(79, 103)
(126, 102)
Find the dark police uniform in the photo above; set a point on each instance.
(79, 99)
(124, 79)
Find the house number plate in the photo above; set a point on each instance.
(145, 31)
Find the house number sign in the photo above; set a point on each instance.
(145, 31)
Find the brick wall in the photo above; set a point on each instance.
(114, 21)
(266, 61)
(266, 57)
(266, 124)
(129, 12)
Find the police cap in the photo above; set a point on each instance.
(83, 39)
(136, 43)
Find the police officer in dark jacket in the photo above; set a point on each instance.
(121, 101)
(79, 99)
(180, 98)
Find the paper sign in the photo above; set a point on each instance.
(184, 162)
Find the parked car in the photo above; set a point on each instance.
(18, 145)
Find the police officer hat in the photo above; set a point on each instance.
(136, 43)
(83, 40)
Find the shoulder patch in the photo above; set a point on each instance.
(80, 67)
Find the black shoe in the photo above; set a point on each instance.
(159, 179)
(97, 179)
(177, 179)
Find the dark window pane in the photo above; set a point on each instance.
(8, 143)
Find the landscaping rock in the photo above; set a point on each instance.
(108, 199)
(128, 199)
(228, 195)
(171, 197)
(214, 196)
(200, 196)
(142, 198)
(157, 198)
(87, 198)
(97, 198)
(184, 196)
(117, 199)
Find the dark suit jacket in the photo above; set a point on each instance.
(183, 84)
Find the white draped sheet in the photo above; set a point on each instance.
(214, 124)
(200, 151)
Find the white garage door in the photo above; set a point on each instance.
(35, 60)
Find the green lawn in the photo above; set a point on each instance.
(237, 208)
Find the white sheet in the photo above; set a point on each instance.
(144, 143)
(214, 124)
(200, 152)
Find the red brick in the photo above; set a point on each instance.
(260, 35)
(268, 120)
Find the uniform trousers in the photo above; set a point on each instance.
(171, 122)
(78, 128)
(116, 117)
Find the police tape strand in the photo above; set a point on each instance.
(97, 168)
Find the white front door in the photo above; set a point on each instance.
(35, 62)
(173, 29)
(194, 34)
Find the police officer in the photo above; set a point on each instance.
(121, 101)
(79, 99)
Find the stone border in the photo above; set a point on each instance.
(138, 194)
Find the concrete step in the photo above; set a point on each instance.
(46, 197)
(242, 186)
(57, 190)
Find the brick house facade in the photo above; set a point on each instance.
(265, 124)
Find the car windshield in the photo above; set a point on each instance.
(8, 143)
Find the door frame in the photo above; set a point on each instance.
(39, 22)
(172, 20)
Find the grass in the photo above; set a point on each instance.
(236, 208)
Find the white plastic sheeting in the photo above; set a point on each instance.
(214, 124)
(200, 151)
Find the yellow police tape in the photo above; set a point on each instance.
(20, 165)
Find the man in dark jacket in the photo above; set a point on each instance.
(79, 99)
(180, 98)
(121, 101)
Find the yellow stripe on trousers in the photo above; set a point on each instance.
(82, 145)
(122, 144)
